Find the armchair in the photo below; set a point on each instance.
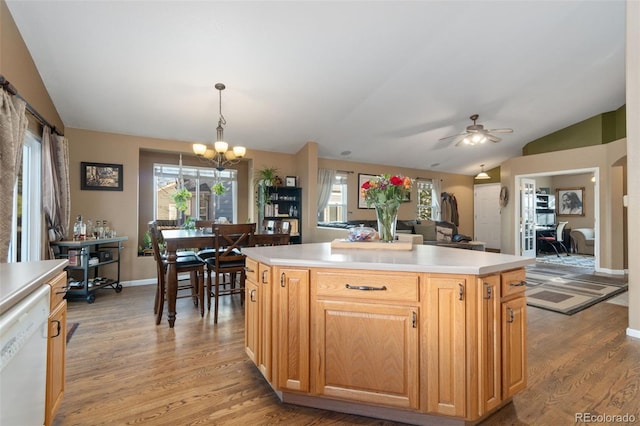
(584, 239)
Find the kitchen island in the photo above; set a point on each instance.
(431, 335)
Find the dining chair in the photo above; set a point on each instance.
(227, 261)
(555, 239)
(184, 263)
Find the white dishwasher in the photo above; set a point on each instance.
(23, 360)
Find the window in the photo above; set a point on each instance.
(425, 200)
(336, 210)
(26, 226)
(204, 203)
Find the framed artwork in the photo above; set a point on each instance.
(570, 201)
(290, 181)
(100, 176)
(362, 178)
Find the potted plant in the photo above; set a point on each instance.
(218, 189)
(181, 197)
(264, 178)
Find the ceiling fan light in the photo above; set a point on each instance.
(209, 154)
(229, 155)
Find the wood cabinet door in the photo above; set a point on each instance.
(265, 320)
(252, 321)
(56, 349)
(292, 329)
(446, 357)
(489, 344)
(514, 346)
(367, 352)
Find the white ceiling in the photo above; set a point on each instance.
(382, 79)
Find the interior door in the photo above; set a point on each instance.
(486, 211)
(527, 217)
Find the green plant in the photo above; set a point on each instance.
(146, 240)
(189, 223)
(264, 178)
(181, 198)
(218, 189)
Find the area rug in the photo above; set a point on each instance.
(578, 260)
(568, 293)
(71, 328)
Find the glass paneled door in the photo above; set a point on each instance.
(527, 217)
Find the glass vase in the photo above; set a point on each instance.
(387, 215)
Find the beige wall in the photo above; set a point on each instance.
(606, 159)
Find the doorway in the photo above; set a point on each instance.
(551, 182)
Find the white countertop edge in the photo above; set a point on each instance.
(426, 259)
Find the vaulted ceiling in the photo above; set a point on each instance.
(369, 81)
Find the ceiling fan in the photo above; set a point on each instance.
(477, 134)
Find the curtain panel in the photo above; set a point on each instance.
(13, 124)
(325, 183)
(55, 186)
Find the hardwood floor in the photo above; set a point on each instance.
(123, 369)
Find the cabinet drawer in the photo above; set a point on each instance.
(368, 285)
(513, 282)
(58, 289)
(251, 266)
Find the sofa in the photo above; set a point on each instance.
(432, 233)
(583, 239)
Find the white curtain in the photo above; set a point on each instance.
(325, 182)
(13, 124)
(55, 185)
(436, 185)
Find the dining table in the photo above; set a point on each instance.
(176, 239)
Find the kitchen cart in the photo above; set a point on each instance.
(86, 257)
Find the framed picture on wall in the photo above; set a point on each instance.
(101, 176)
(362, 178)
(570, 201)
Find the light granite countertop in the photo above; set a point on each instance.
(422, 258)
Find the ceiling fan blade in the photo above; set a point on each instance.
(493, 138)
(500, 130)
(453, 136)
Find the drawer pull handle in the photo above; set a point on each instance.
(488, 295)
(282, 279)
(264, 280)
(511, 315)
(414, 320)
(252, 295)
(520, 284)
(460, 292)
(365, 287)
(59, 327)
(247, 269)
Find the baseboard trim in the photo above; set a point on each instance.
(147, 281)
(633, 333)
(611, 271)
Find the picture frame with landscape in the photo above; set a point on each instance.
(101, 176)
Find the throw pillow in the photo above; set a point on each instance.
(427, 229)
(443, 233)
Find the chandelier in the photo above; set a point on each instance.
(220, 155)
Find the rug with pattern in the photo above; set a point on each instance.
(570, 292)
